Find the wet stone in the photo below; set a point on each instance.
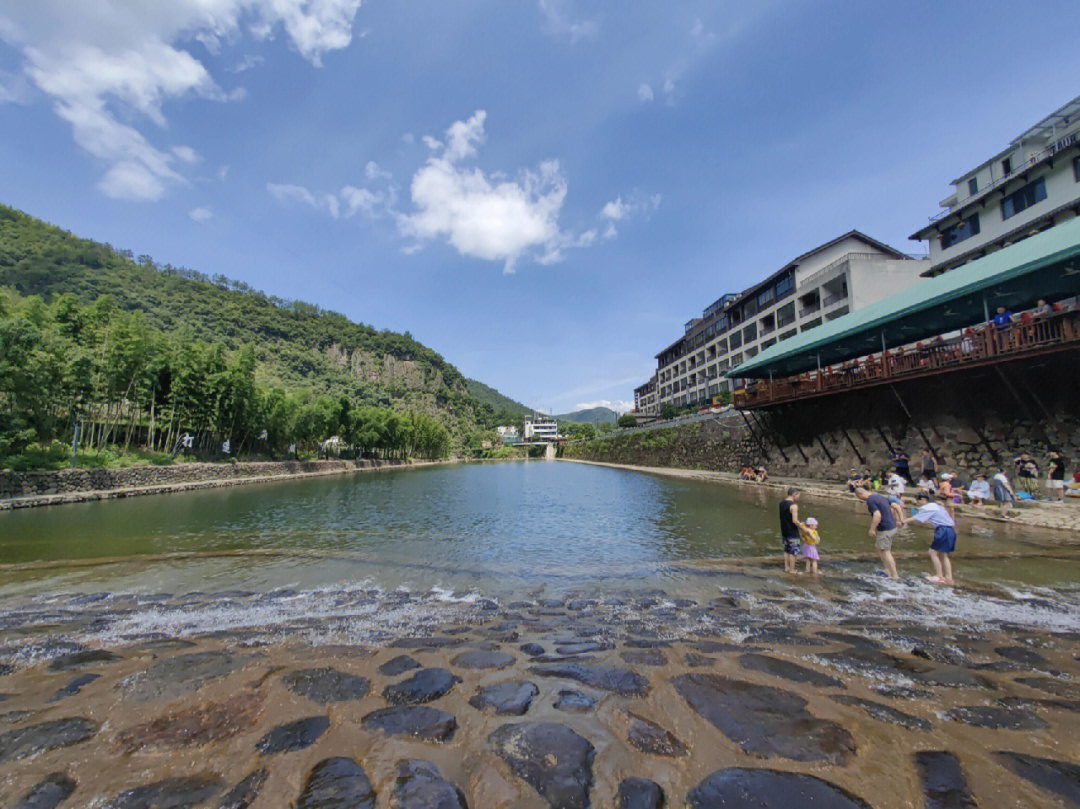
(694, 659)
(551, 758)
(644, 657)
(769, 789)
(849, 639)
(337, 783)
(244, 794)
(639, 793)
(1022, 655)
(788, 670)
(885, 713)
(48, 793)
(483, 659)
(420, 721)
(52, 735)
(398, 665)
(943, 782)
(716, 646)
(645, 643)
(293, 735)
(863, 660)
(903, 692)
(74, 686)
(582, 647)
(175, 676)
(424, 686)
(1057, 777)
(172, 793)
(574, 702)
(607, 678)
(649, 737)
(83, 657)
(995, 717)
(950, 677)
(428, 643)
(532, 649)
(511, 698)
(6, 669)
(420, 785)
(197, 725)
(1059, 688)
(765, 721)
(326, 685)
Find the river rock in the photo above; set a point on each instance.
(424, 686)
(421, 721)
(643, 657)
(532, 649)
(483, 659)
(1058, 777)
(696, 660)
(607, 678)
(551, 758)
(649, 737)
(787, 670)
(293, 735)
(581, 647)
(52, 735)
(337, 783)
(83, 657)
(511, 698)
(769, 789)
(1059, 688)
(764, 720)
(885, 713)
(949, 677)
(943, 782)
(428, 643)
(574, 701)
(173, 677)
(399, 665)
(74, 686)
(1023, 656)
(420, 785)
(194, 726)
(172, 793)
(244, 794)
(996, 717)
(639, 793)
(326, 685)
(48, 793)
(6, 669)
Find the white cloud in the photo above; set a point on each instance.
(432, 143)
(488, 216)
(373, 172)
(348, 202)
(107, 63)
(619, 210)
(201, 214)
(645, 92)
(286, 193)
(187, 154)
(408, 138)
(618, 405)
(223, 172)
(669, 86)
(561, 23)
(247, 63)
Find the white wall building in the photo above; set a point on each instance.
(849, 272)
(645, 401)
(541, 428)
(1032, 185)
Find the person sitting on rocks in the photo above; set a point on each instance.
(945, 492)
(760, 474)
(854, 481)
(979, 492)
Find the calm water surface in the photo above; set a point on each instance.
(514, 526)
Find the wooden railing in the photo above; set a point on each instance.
(975, 345)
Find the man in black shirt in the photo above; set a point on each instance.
(902, 462)
(883, 527)
(789, 529)
(1055, 477)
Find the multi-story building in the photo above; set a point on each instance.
(645, 402)
(508, 434)
(849, 272)
(1032, 185)
(541, 428)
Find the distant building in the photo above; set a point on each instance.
(849, 272)
(645, 401)
(541, 428)
(1032, 185)
(508, 434)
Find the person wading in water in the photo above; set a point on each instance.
(789, 529)
(883, 528)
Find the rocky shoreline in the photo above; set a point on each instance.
(640, 699)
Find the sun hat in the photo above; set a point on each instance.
(811, 521)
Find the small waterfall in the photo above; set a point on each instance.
(549, 452)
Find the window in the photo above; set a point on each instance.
(750, 332)
(1006, 166)
(973, 186)
(811, 323)
(788, 334)
(765, 344)
(785, 315)
(785, 286)
(736, 340)
(1024, 198)
(1076, 169)
(964, 229)
(765, 298)
(751, 352)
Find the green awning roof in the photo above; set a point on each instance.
(1041, 266)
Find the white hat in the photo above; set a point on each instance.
(946, 476)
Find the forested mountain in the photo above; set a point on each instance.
(497, 401)
(594, 415)
(110, 336)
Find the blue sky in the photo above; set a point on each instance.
(544, 191)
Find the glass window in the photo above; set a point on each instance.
(1006, 166)
(1076, 169)
(973, 186)
(811, 323)
(751, 352)
(1024, 198)
(736, 340)
(750, 332)
(788, 334)
(767, 343)
(785, 286)
(765, 298)
(785, 315)
(750, 308)
(964, 229)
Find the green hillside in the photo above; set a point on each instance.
(594, 415)
(487, 395)
(166, 319)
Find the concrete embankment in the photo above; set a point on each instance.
(1064, 517)
(29, 489)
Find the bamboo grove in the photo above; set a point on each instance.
(109, 374)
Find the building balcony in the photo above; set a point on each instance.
(810, 309)
(834, 298)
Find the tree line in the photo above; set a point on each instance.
(106, 376)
